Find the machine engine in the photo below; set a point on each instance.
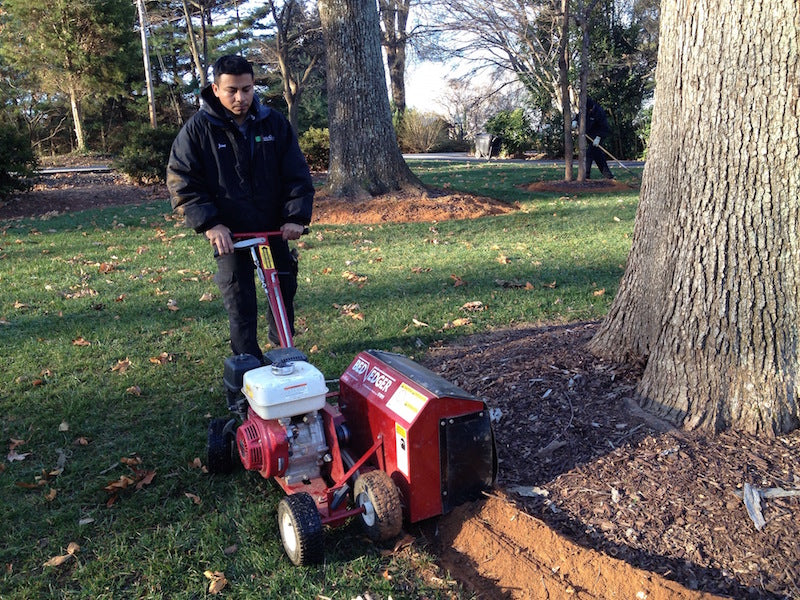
(283, 433)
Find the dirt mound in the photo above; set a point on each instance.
(499, 551)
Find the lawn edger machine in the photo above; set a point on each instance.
(396, 443)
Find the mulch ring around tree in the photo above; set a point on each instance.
(594, 186)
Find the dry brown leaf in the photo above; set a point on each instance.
(81, 441)
(80, 342)
(193, 497)
(162, 358)
(120, 484)
(131, 461)
(503, 259)
(457, 281)
(218, 581)
(172, 305)
(207, 297)
(51, 495)
(122, 365)
(419, 323)
(598, 292)
(134, 390)
(145, 478)
(15, 443)
(64, 426)
(72, 550)
(474, 306)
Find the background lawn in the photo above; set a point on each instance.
(113, 341)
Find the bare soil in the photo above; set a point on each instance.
(595, 498)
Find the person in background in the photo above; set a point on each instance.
(236, 167)
(596, 129)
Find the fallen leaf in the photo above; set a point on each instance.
(81, 342)
(474, 306)
(193, 497)
(172, 305)
(15, 443)
(72, 549)
(122, 365)
(107, 267)
(598, 292)
(457, 281)
(134, 390)
(232, 549)
(207, 297)
(218, 581)
(503, 259)
(51, 495)
(419, 323)
(146, 478)
(162, 358)
(64, 426)
(14, 456)
(131, 461)
(81, 441)
(120, 484)
(196, 463)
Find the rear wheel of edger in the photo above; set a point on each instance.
(383, 516)
(301, 529)
(221, 448)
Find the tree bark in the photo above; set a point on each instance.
(394, 14)
(563, 78)
(711, 292)
(364, 155)
(77, 118)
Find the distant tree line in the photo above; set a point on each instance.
(72, 72)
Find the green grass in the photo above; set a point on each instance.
(83, 295)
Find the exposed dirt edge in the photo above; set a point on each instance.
(498, 551)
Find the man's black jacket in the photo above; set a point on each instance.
(216, 176)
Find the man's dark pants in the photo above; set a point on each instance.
(593, 153)
(237, 282)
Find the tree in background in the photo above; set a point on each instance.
(365, 157)
(710, 298)
(73, 48)
(394, 38)
(292, 46)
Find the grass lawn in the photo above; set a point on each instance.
(113, 340)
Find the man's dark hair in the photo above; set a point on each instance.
(231, 64)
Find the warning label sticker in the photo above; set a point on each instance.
(406, 402)
(401, 443)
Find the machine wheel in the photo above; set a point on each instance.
(383, 516)
(221, 449)
(301, 529)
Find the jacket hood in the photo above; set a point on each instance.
(213, 107)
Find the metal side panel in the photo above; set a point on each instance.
(467, 457)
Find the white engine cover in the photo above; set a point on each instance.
(287, 391)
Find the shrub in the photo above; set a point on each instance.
(513, 127)
(420, 132)
(17, 162)
(144, 158)
(316, 145)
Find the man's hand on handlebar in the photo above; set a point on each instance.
(292, 231)
(220, 238)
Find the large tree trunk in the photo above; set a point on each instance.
(365, 157)
(711, 292)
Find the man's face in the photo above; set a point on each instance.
(235, 92)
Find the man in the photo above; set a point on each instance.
(236, 167)
(596, 128)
